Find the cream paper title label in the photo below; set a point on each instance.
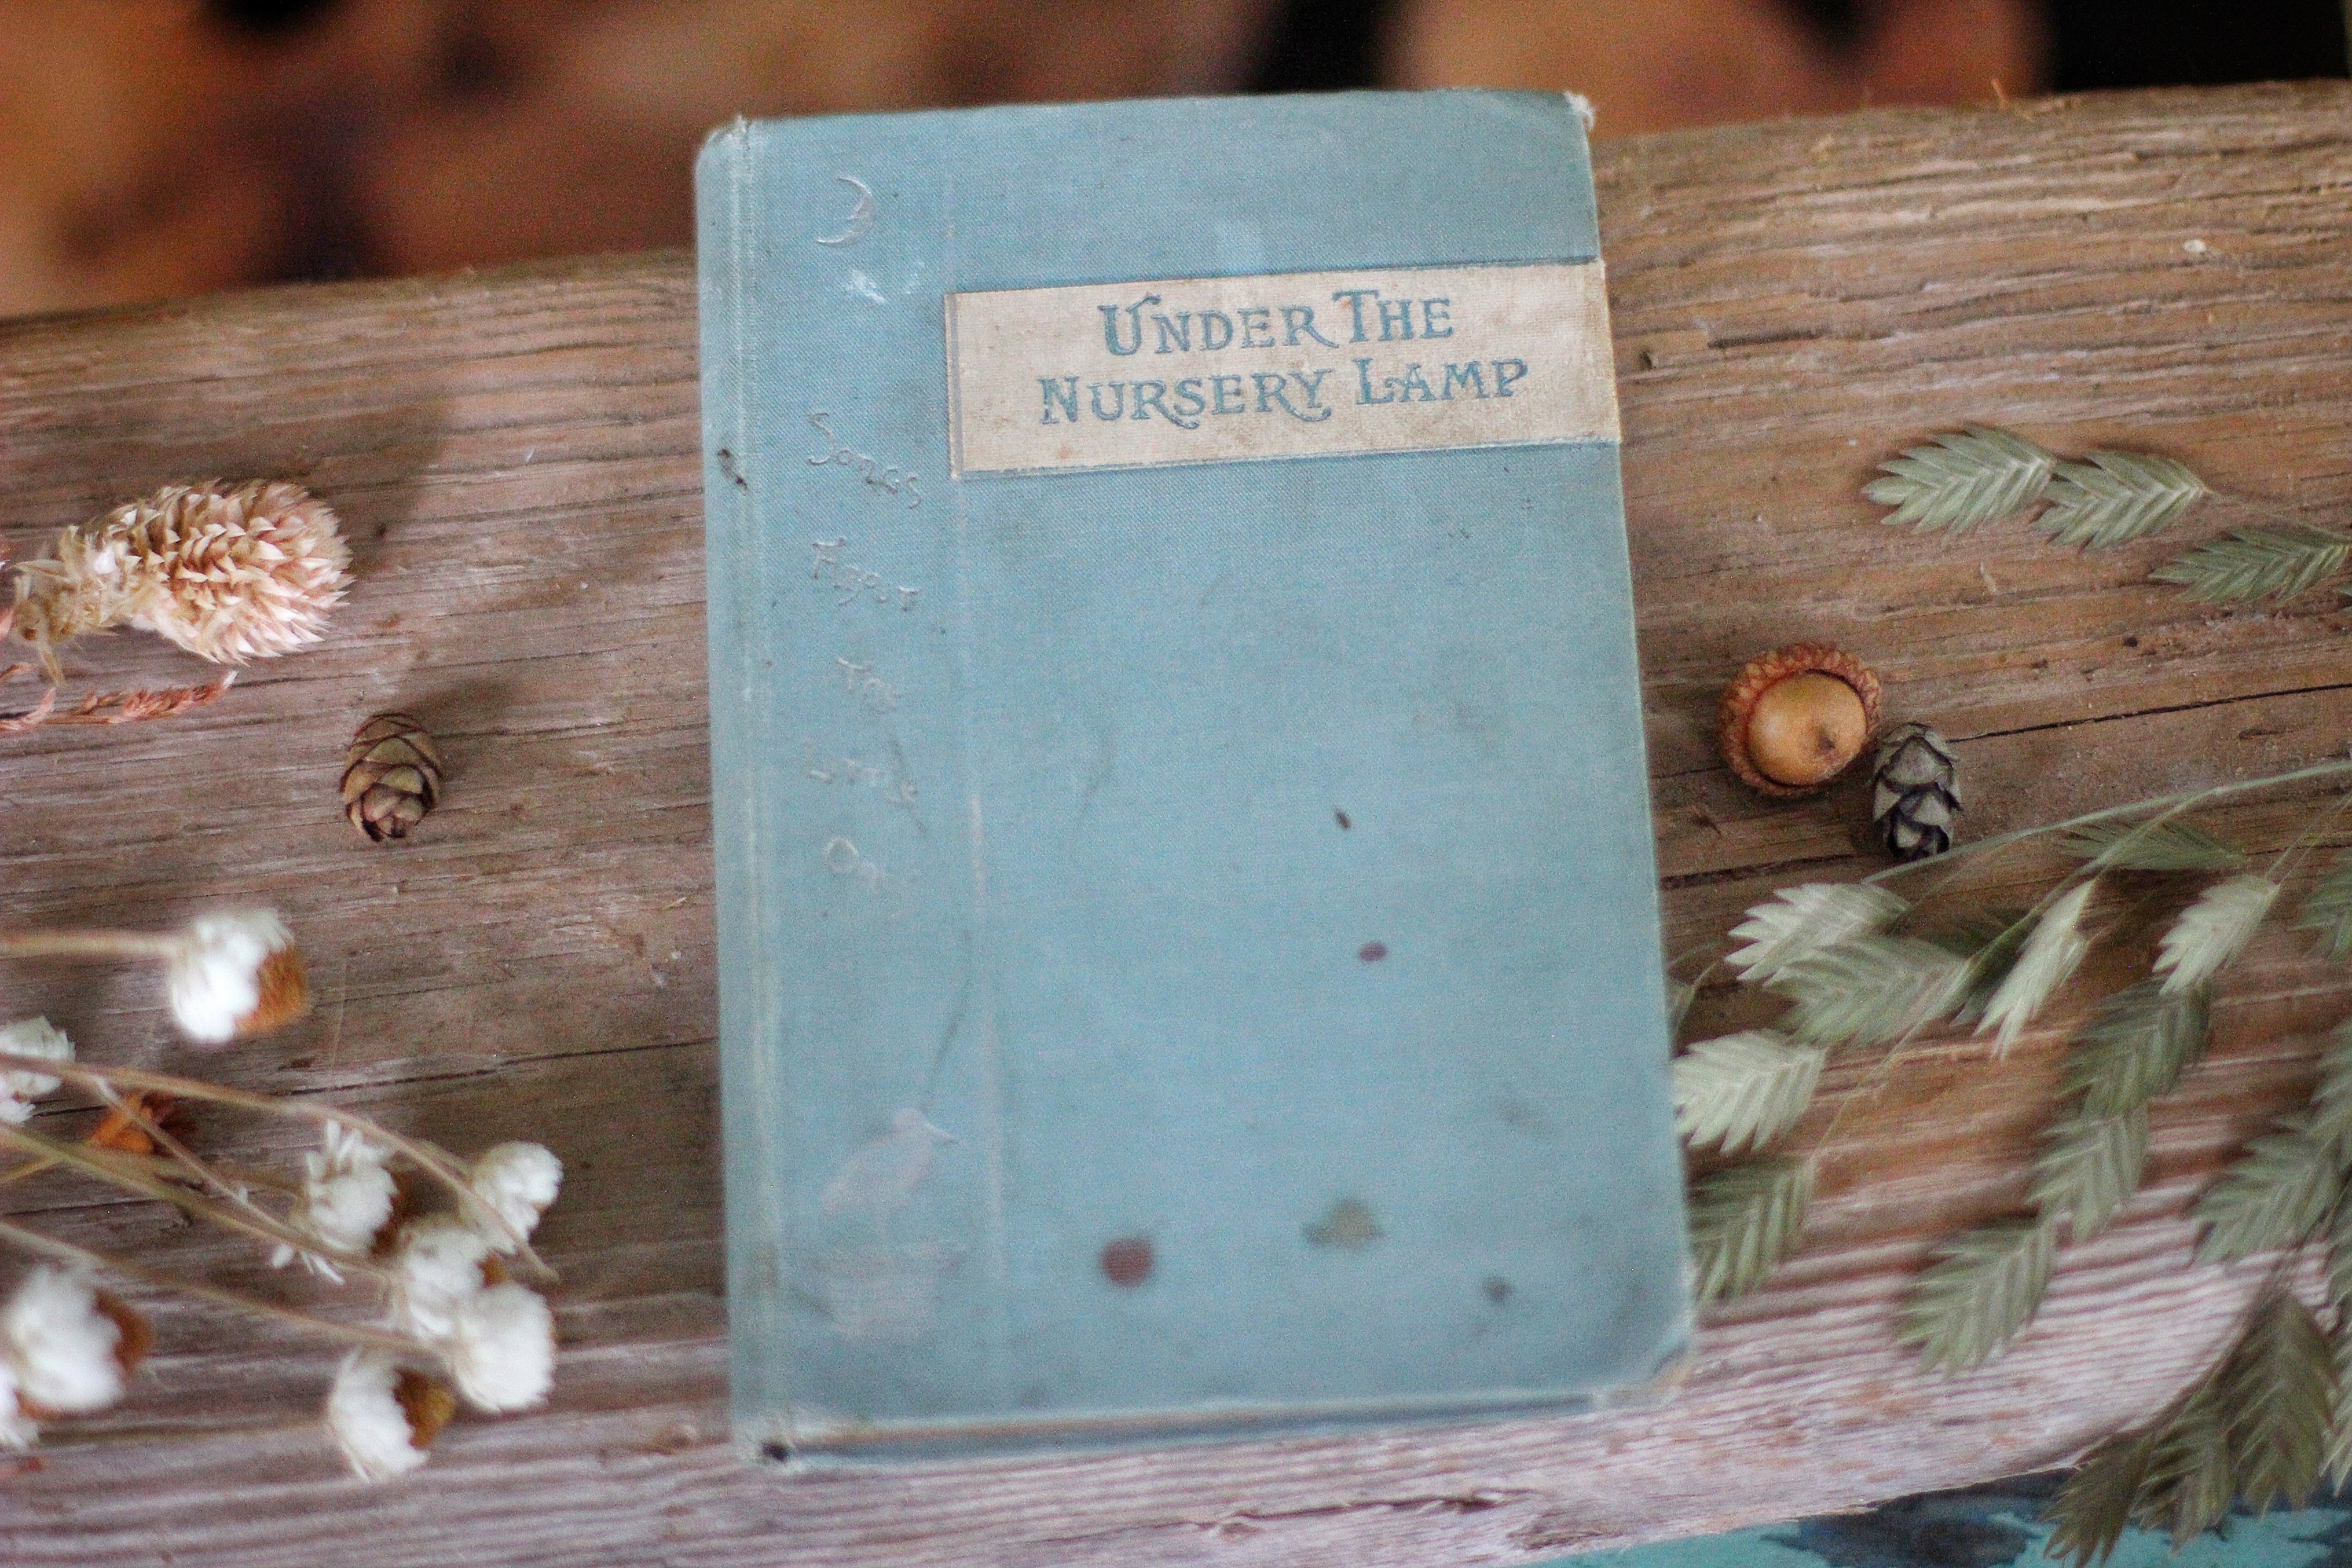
(1209, 370)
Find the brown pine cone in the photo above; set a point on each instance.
(1915, 793)
(392, 777)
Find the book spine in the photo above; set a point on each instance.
(733, 466)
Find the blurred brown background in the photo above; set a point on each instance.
(162, 147)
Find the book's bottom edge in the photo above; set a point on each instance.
(795, 1439)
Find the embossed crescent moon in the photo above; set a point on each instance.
(861, 217)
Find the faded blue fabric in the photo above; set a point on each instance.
(1996, 1526)
(1188, 949)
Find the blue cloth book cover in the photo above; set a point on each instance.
(1188, 924)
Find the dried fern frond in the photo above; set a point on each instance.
(2253, 563)
(2214, 931)
(2092, 1510)
(1795, 921)
(1744, 1219)
(1744, 1090)
(2088, 1167)
(2277, 1194)
(2280, 1387)
(2138, 1044)
(1983, 1287)
(2164, 847)
(1962, 480)
(2048, 958)
(1868, 991)
(2327, 909)
(2114, 498)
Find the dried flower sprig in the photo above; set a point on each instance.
(66, 1349)
(229, 574)
(229, 975)
(138, 705)
(449, 1311)
(481, 1201)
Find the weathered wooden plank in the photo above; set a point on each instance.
(516, 456)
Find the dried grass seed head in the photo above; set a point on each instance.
(236, 972)
(89, 584)
(230, 573)
(19, 1087)
(2210, 933)
(384, 1417)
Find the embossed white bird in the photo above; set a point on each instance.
(880, 1177)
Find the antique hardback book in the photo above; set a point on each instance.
(1189, 952)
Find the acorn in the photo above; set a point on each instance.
(1797, 717)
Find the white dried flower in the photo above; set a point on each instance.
(347, 1195)
(383, 1416)
(2214, 931)
(439, 1269)
(519, 1181)
(18, 1430)
(67, 1351)
(20, 1086)
(235, 973)
(501, 1348)
(229, 574)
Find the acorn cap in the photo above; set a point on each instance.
(1797, 717)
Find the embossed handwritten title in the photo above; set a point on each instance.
(1299, 365)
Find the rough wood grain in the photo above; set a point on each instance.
(516, 456)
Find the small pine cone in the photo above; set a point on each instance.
(1915, 793)
(392, 777)
(228, 573)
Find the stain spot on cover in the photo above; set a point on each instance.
(1498, 1288)
(1347, 1224)
(1521, 1117)
(1341, 818)
(1372, 951)
(1127, 1262)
